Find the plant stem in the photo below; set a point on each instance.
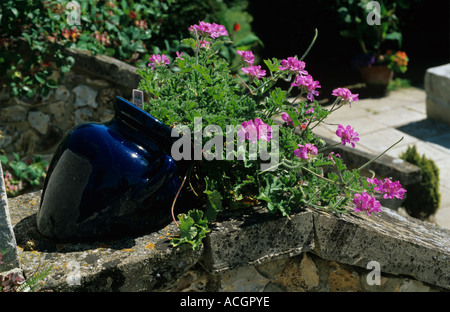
(375, 158)
(176, 196)
(310, 45)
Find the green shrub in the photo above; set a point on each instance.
(34, 34)
(423, 198)
(21, 177)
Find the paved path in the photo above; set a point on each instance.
(381, 122)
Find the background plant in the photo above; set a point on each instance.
(353, 14)
(424, 198)
(14, 282)
(20, 176)
(201, 84)
(35, 33)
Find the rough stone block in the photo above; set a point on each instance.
(8, 245)
(401, 245)
(131, 264)
(437, 87)
(255, 238)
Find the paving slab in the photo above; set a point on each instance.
(377, 142)
(399, 116)
(362, 125)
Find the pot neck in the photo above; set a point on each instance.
(137, 119)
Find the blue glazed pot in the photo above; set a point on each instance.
(111, 179)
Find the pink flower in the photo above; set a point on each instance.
(293, 65)
(206, 29)
(308, 84)
(346, 95)
(347, 135)
(330, 156)
(389, 188)
(157, 59)
(247, 56)
(179, 55)
(254, 71)
(253, 131)
(305, 151)
(365, 202)
(204, 44)
(217, 31)
(310, 111)
(287, 118)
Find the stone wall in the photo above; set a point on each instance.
(87, 94)
(252, 251)
(437, 87)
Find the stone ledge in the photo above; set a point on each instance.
(133, 264)
(256, 237)
(402, 245)
(437, 86)
(105, 67)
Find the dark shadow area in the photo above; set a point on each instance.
(287, 28)
(429, 130)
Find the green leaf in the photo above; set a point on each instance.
(193, 228)
(51, 83)
(39, 78)
(214, 204)
(3, 159)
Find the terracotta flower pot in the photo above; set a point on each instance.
(377, 77)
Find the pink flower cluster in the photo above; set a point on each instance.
(306, 151)
(247, 56)
(330, 156)
(207, 29)
(253, 71)
(304, 81)
(389, 188)
(287, 118)
(365, 202)
(308, 84)
(293, 65)
(253, 131)
(12, 187)
(156, 60)
(345, 95)
(347, 135)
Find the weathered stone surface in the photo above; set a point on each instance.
(14, 113)
(255, 251)
(83, 115)
(119, 72)
(27, 142)
(437, 87)
(300, 273)
(147, 262)
(59, 110)
(84, 96)
(39, 121)
(243, 279)
(401, 245)
(257, 237)
(342, 280)
(5, 140)
(8, 245)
